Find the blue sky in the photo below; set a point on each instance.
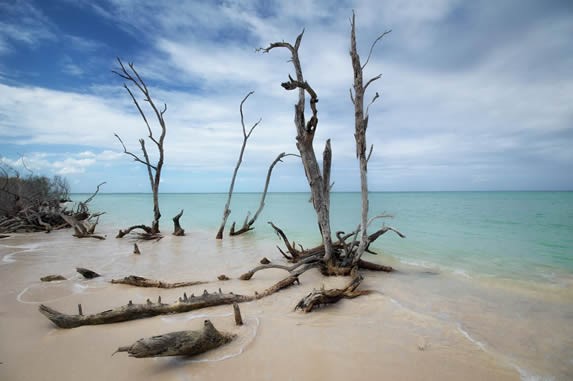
(475, 95)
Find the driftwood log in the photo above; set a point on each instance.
(138, 281)
(86, 273)
(52, 278)
(182, 343)
(133, 311)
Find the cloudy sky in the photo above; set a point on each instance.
(474, 95)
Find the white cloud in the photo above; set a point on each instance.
(451, 94)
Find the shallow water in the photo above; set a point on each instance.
(469, 296)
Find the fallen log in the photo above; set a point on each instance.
(182, 343)
(52, 278)
(86, 273)
(133, 311)
(138, 281)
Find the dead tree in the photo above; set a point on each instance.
(342, 257)
(153, 170)
(246, 136)
(318, 180)
(360, 125)
(248, 223)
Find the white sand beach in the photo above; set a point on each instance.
(371, 337)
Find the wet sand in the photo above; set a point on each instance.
(373, 337)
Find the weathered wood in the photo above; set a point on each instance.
(264, 261)
(153, 171)
(136, 249)
(86, 273)
(147, 234)
(138, 281)
(246, 136)
(177, 229)
(52, 278)
(248, 224)
(4, 236)
(223, 277)
(323, 297)
(82, 229)
(133, 311)
(237, 313)
(360, 127)
(182, 343)
(304, 142)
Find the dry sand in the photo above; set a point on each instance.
(368, 338)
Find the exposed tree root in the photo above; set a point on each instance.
(134, 280)
(322, 297)
(82, 229)
(341, 246)
(133, 311)
(148, 233)
(182, 343)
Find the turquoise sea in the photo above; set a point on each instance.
(495, 268)
(506, 235)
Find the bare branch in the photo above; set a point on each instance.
(372, 101)
(135, 157)
(372, 80)
(370, 153)
(95, 193)
(372, 47)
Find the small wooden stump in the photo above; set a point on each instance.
(136, 249)
(238, 318)
(265, 261)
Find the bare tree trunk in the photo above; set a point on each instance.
(361, 124)
(226, 210)
(153, 171)
(304, 142)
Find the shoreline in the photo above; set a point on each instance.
(386, 335)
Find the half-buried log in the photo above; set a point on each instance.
(182, 343)
(133, 311)
(86, 273)
(138, 281)
(52, 278)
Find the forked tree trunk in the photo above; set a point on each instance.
(248, 224)
(153, 170)
(304, 143)
(246, 136)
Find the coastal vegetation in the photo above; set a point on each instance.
(35, 203)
